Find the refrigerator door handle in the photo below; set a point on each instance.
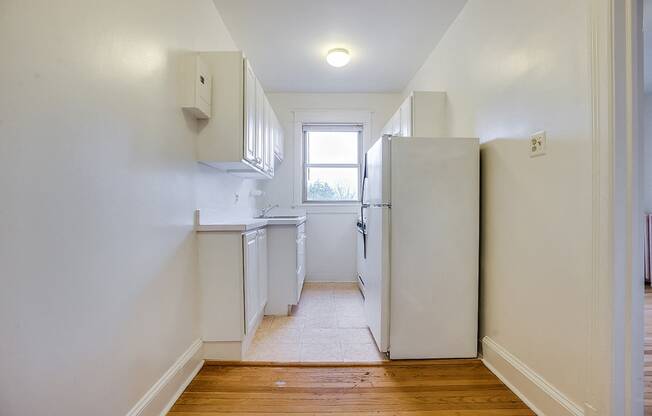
(363, 186)
(363, 206)
(362, 229)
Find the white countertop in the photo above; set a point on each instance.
(206, 221)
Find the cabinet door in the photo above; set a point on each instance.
(267, 138)
(262, 269)
(249, 114)
(395, 124)
(260, 124)
(278, 139)
(406, 118)
(275, 134)
(251, 280)
(301, 257)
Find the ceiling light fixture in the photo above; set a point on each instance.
(338, 57)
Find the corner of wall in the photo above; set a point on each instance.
(160, 398)
(542, 397)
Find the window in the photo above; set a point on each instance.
(331, 162)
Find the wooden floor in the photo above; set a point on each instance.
(648, 351)
(435, 388)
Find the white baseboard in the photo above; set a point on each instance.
(181, 388)
(160, 398)
(542, 397)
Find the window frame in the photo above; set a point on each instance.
(322, 127)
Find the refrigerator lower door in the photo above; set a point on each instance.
(361, 254)
(434, 248)
(376, 275)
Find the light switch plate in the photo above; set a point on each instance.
(538, 144)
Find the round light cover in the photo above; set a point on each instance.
(338, 57)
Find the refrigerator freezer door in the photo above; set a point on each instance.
(434, 248)
(378, 158)
(376, 275)
(365, 181)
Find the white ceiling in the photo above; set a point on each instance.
(287, 40)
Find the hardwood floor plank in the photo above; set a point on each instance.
(435, 388)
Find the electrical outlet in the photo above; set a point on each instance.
(538, 144)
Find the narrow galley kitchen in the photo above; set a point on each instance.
(230, 207)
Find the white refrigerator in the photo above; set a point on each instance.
(421, 221)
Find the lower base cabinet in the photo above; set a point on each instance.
(233, 286)
(287, 267)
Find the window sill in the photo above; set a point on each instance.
(328, 204)
(333, 208)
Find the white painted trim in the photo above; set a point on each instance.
(181, 388)
(615, 339)
(363, 117)
(521, 379)
(633, 91)
(146, 404)
(599, 345)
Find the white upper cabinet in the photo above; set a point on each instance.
(279, 141)
(237, 138)
(268, 141)
(260, 125)
(250, 114)
(422, 114)
(406, 118)
(393, 126)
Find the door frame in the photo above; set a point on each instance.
(615, 336)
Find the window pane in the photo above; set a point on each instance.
(332, 184)
(332, 146)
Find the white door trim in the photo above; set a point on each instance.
(614, 342)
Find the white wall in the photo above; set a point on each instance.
(505, 81)
(227, 195)
(98, 182)
(331, 232)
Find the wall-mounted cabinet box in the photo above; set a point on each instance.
(196, 88)
(239, 137)
(422, 114)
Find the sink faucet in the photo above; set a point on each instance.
(265, 211)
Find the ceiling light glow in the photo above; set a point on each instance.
(338, 57)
